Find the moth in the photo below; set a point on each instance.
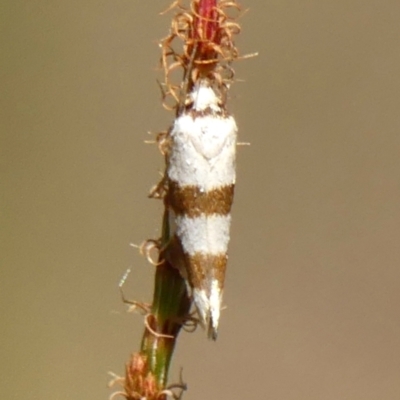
(200, 179)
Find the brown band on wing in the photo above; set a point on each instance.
(206, 267)
(193, 202)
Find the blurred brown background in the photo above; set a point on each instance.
(313, 284)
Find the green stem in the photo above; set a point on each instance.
(171, 305)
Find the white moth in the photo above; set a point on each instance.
(201, 178)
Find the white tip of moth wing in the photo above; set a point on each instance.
(202, 304)
(215, 310)
(209, 308)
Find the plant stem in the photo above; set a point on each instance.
(170, 308)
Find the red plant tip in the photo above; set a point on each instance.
(205, 20)
(206, 29)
